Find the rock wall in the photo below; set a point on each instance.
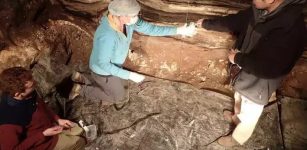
(200, 60)
(31, 29)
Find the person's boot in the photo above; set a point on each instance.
(227, 141)
(230, 117)
(75, 91)
(227, 114)
(120, 105)
(105, 104)
(77, 77)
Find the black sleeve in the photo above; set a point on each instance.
(232, 23)
(274, 56)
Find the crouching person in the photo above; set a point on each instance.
(25, 120)
(111, 46)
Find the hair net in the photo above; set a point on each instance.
(124, 7)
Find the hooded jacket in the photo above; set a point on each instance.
(269, 45)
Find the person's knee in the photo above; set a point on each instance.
(78, 144)
(70, 142)
(120, 95)
(81, 143)
(119, 98)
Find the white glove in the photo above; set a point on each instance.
(135, 77)
(187, 30)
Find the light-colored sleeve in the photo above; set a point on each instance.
(105, 46)
(154, 30)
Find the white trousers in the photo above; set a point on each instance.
(248, 113)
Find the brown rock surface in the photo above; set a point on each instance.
(294, 123)
(295, 83)
(180, 61)
(85, 7)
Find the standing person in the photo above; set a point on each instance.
(25, 120)
(270, 40)
(111, 45)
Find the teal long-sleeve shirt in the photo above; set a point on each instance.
(111, 47)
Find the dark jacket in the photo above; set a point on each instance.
(22, 124)
(269, 46)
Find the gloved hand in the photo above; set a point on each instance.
(187, 30)
(135, 77)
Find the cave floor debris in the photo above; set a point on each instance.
(166, 115)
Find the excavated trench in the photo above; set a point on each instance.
(178, 107)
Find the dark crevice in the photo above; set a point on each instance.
(61, 103)
(33, 64)
(67, 49)
(3, 45)
(39, 11)
(61, 95)
(9, 37)
(279, 106)
(65, 87)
